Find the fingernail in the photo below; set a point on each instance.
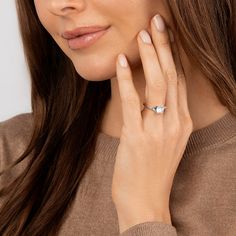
(122, 60)
(159, 23)
(172, 39)
(145, 37)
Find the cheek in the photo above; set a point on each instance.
(40, 8)
(98, 62)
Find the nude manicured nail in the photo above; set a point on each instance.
(145, 37)
(159, 23)
(122, 60)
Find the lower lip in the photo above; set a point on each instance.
(85, 40)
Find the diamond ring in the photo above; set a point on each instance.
(157, 109)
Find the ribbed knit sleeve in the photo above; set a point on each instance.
(153, 228)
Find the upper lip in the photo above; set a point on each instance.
(82, 30)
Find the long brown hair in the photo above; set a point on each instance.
(67, 110)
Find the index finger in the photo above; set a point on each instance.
(131, 106)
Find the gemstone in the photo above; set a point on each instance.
(159, 109)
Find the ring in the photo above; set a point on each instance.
(157, 109)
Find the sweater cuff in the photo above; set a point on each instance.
(152, 228)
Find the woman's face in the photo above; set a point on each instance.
(125, 18)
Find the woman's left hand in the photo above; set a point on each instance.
(151, 145)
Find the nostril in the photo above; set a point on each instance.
(62, 8)
(67, 8)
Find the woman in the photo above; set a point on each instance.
(133, 129)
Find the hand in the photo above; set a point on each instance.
(151, 145)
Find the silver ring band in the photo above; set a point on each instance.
(157, 109)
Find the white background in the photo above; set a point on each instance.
(14, 76)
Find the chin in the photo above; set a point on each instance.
(96, 70)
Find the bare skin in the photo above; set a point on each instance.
(151, 146)
(58, 16)
(204, 106)
(199, 103)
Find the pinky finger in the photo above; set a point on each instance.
(182, 88)
(130, 102)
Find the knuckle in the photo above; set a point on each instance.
(136, 138)
(171, 76)
(156, 136)
(159, 84)
(152, 53)
(130, 99)
(131, 134)
(127, 77)
(172, 82)
(181, 75)
(164, 42)
(187, 124)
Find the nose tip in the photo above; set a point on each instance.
(63, 8)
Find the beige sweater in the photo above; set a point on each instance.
(203, 197)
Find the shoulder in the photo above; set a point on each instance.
(16, 124)
(15, 134)
(230, 144)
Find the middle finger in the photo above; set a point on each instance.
(155, 92)
(161, 40)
